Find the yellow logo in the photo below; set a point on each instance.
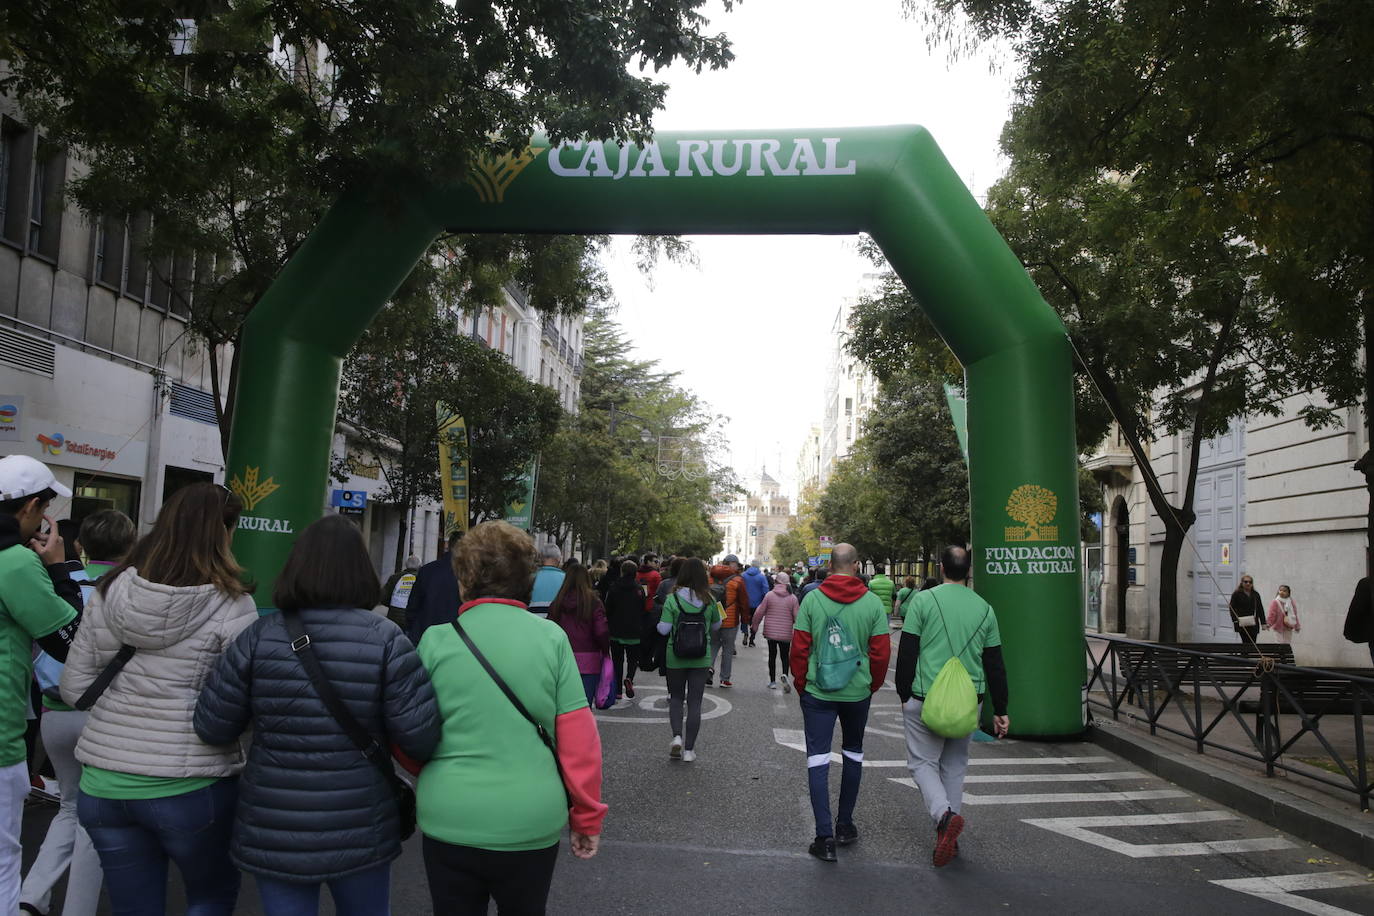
(251, 490)
(1034, 507)
(492, 176)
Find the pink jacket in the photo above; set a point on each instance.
(777, 613)
(1275, 616)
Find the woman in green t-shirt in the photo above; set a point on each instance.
(493, 800)
(687, 676)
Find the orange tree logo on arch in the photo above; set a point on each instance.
(492, 176)
(251, 491)
(1035, 508)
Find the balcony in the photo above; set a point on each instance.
(1113, 466)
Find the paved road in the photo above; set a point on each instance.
(1055, 829)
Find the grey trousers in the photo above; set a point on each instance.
(937, 764)
(66, 843)
(724, 644)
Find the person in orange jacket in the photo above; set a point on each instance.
(728, 585)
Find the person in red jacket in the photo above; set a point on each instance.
(852, 621)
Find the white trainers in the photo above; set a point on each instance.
(675, 747)
(772, 685)
(689, 756)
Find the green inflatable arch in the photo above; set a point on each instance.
(891, 182)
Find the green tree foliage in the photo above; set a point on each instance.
(228, 127)
(411, 358)
(635, 468)
(902, 493)
(1238, 136)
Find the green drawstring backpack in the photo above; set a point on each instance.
(951, 705)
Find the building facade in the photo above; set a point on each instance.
(752, 522)
(850, 391)
(1273, 499)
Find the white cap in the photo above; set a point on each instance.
(22, 476)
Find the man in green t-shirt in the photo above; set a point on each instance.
(38, 603)
(817, 643)
(941, 623)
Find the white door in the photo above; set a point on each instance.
(1219, 559)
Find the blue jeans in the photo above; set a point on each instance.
(818, 720)
(136, 837)
(363, 893)
(589, 685)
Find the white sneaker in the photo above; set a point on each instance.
(675, 747)
(689, 756)
(772, 685)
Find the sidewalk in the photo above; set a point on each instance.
(1324, 815)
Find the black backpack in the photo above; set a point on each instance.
(718, 589)
(689, 636)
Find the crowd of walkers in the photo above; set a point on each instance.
(185, 728)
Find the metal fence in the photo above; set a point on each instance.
(1276, 705)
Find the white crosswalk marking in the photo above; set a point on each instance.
(1114, 776)
(1053, 798)
(1281, 889)
(1077, 828)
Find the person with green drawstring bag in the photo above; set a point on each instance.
(950, 660)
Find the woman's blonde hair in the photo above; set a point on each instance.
(495, 560)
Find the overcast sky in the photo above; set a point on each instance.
(758, 345)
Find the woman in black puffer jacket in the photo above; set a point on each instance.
(312, 810)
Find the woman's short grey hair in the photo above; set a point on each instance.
(551, 551)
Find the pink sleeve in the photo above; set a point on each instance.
(579, 754)
(1274, 616)
(761, 611)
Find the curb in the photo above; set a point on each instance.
(1348, 835)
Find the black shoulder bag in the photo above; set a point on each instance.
(544, 735)
(103, 679)
(371, 749)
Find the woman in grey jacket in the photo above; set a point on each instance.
(312, 810)
(151, 791)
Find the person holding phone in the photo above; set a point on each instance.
(38, 603)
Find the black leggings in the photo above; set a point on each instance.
(778, 648)
(462, 879)
(626, 661)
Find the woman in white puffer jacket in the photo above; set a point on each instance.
(151, 790)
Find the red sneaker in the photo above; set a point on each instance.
(947, 838)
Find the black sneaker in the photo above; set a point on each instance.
(823, 848)
(710, 677)
(846, 834)
(629, 688)
(947, 839)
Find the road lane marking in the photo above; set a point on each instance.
(1057, 798)
(1281, 889)
(795, 739)
(1077, 828)
(1115, 776)
(657, 702)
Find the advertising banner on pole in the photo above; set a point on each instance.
(453, 468)
(520, 511)
(958, 410)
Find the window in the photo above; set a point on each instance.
(849, 407)
(16, 158)
(45, 201)
(160, 294)
(183, 277)
(109, 251)
(136, 271)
